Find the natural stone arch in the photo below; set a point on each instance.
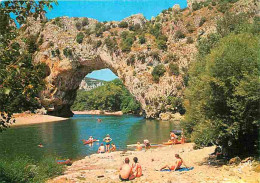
(66, 71)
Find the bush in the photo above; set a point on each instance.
(141, 57)
(223, 7)
(190, 28)
(206, 44)
(111, 44)
(223, 100)
(67, 52)
(123, 24)
(142, 39)
(189, 40)
(85, 22)
(236, 23)
(78, 26)
(31, 43)
(24, 169)
(202, 21)
(158, 71)
(161, 44)
(127, 41)
(179, 35)
(171, 58)
(174, 69)
(131, 60)
(196, 6)
(155, 55)
(98, 44)
(135, 27)
(57, 21)
(57, 51)
(80, 37)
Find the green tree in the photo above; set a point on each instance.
(222, 99)
(20, 80)
(113, 96)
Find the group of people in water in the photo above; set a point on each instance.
(106, 148)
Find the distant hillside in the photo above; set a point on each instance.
(90, 83)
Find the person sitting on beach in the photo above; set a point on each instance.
(173, 137)
(126, 172)
(107, 140)
(137, 169)
(147, 144)
(177, 164)
(113, 148)
(90, 139)
(101, 148)
(139, 147)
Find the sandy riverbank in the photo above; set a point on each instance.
(28, 119)
(106, 167)
(99, 112)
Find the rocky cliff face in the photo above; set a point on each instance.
(74, 47)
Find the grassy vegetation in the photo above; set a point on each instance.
(26, 170)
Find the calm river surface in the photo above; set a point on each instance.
(63, 139)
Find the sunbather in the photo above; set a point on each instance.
(137, 169)
(177, 164)
(126, 172)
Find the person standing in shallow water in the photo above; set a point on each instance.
(107, 140)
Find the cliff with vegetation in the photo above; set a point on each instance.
(151, 57)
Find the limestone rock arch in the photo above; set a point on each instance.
(69, 62)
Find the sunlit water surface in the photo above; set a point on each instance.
(63, 139)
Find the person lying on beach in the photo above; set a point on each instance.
(113, 148)
(177, 164)
(101, 148)
(107, 140)
(137, 169)
(126, 172)
(139, 147)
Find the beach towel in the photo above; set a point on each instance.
(185, 169)
(179, 170)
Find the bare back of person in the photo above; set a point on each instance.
(125, 172)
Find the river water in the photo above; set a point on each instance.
(63, 139)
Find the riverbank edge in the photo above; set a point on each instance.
(99, 112)
(105, 167)
(29, 119)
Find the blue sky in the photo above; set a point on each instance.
(107, 10)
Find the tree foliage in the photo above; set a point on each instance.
(112, 96)
(158, 71)
(20, 80)
(222, 99)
